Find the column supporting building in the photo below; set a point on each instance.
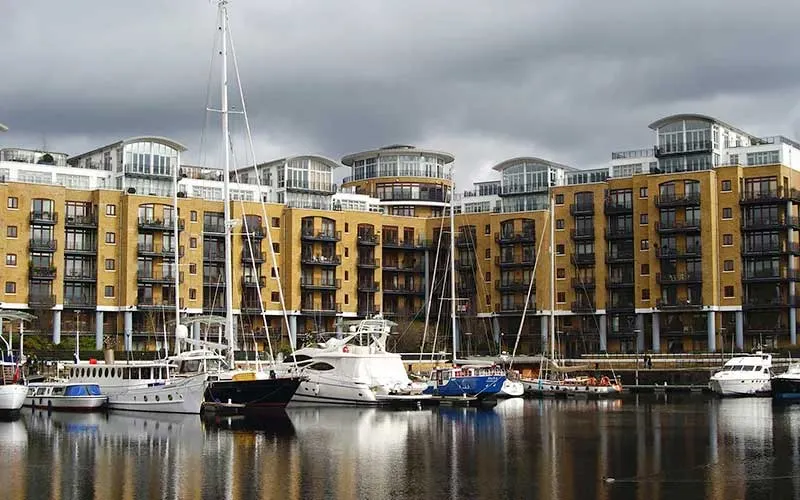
(128, 330)
(496, 330)
(739, 339)
(293, 329)
(196, 331)
(56, 327)
(656, 332)
(712, 332)
(640, 334)
(544, 333)
(603, 334)
(98, 330)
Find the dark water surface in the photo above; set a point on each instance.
(691, 447)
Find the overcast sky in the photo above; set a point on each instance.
(570, 81)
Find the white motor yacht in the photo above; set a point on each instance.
(744, 376)
(353, 370)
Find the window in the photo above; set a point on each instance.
(643, 192)
(193, 216)
(561, 273)
(11, 259)
(110, 264)
(320, 366)
(560, 249)
(193, 242)
(645, 270)
(727, 292)
(561, 297)
(274, 273)
(192, 268)
(275, 297)
(488, 299)
(643, 219)
(488, 276)
(644, 244)
(111, 210)
(109, 291)
(346, 227)
(276, 222)
(193, 294)
(559, 199)
(559, 223)
(11, 287)
(487, 229)
(726, 185)
(13, 202)
(346, 299)
(347, 275)
(727, 266)
(346, 252)
(488, 253)
(727, 213)
(645, 294)
(727, 240)
(111, 238)
(11, 231)
(276, 247)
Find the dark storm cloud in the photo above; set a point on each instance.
(568, 80)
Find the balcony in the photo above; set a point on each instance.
(368, 263)
(514, 307)
(213, 255)
(214, 229)
(619, 282)
(39, 245)
(250, 258)
(677, 200)
(678, 227)
(325, 309)
(465, 290)
(368, 239)
(152, 250)
(310, 186)
(321, 260)
(756, 303)
(584, 283)
(82, 302)
(43, 218)
(510, 237)
(254, 281)
(769, 197)
(368, 310)
(582, 234)
(393, 289)
(255, 232)
(41, 300)
(620, 257)
(466, 241)
(156, 224)
(765, 249)
(512, 286)
(418, 245)
(683, 148)
(156, 277)
(768, 223)
(620, 307)
(583, 259)
(248, 306)
(770, 275)
(41, 272)
(679, 304)
(611, 207)
(218, 307)
(395, 267)
(368, 286)
(81, 221)
(151, 304)
(467, 265)
(679, 278)
(80, 248)
(214, 280)
(81, 275)
(692, 252)
(582, 208)
(324, 236)
(619, 233)
(320, 284)
(498, 261)
(583, 307)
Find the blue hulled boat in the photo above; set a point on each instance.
(471, 381)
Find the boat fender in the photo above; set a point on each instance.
(345, 349)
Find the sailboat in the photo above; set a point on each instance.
(480, 382)
(552, 381)
(229, 390)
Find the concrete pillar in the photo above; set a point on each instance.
(128, 331)
(56, 327)
(545, 335)
(293, 329)
(656, 332)
(496, 329)
(739, 330)
(712, 333)
(338, 328)
(640, 335)
(792, 324)
(603, 335)
(196, 331)
(98, 330)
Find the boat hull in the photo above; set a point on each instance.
(554, 388)
(729, 387)
(479, 386)
(251, 395)
(68, 403)
(12, 397)
(511, 389)
(340, 393)
(786, 389)
(183, 395)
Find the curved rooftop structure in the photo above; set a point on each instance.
(396, 149)
(694, 116)
(529, 160)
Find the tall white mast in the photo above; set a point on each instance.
(223, 15)
(453, 271)
(552, 322)
(176, 256)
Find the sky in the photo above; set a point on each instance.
(566, 80)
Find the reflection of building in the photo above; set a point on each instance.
(681, 246)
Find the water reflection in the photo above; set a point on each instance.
(655, 449)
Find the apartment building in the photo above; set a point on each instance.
(690, 244)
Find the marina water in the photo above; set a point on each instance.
(639, 447)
